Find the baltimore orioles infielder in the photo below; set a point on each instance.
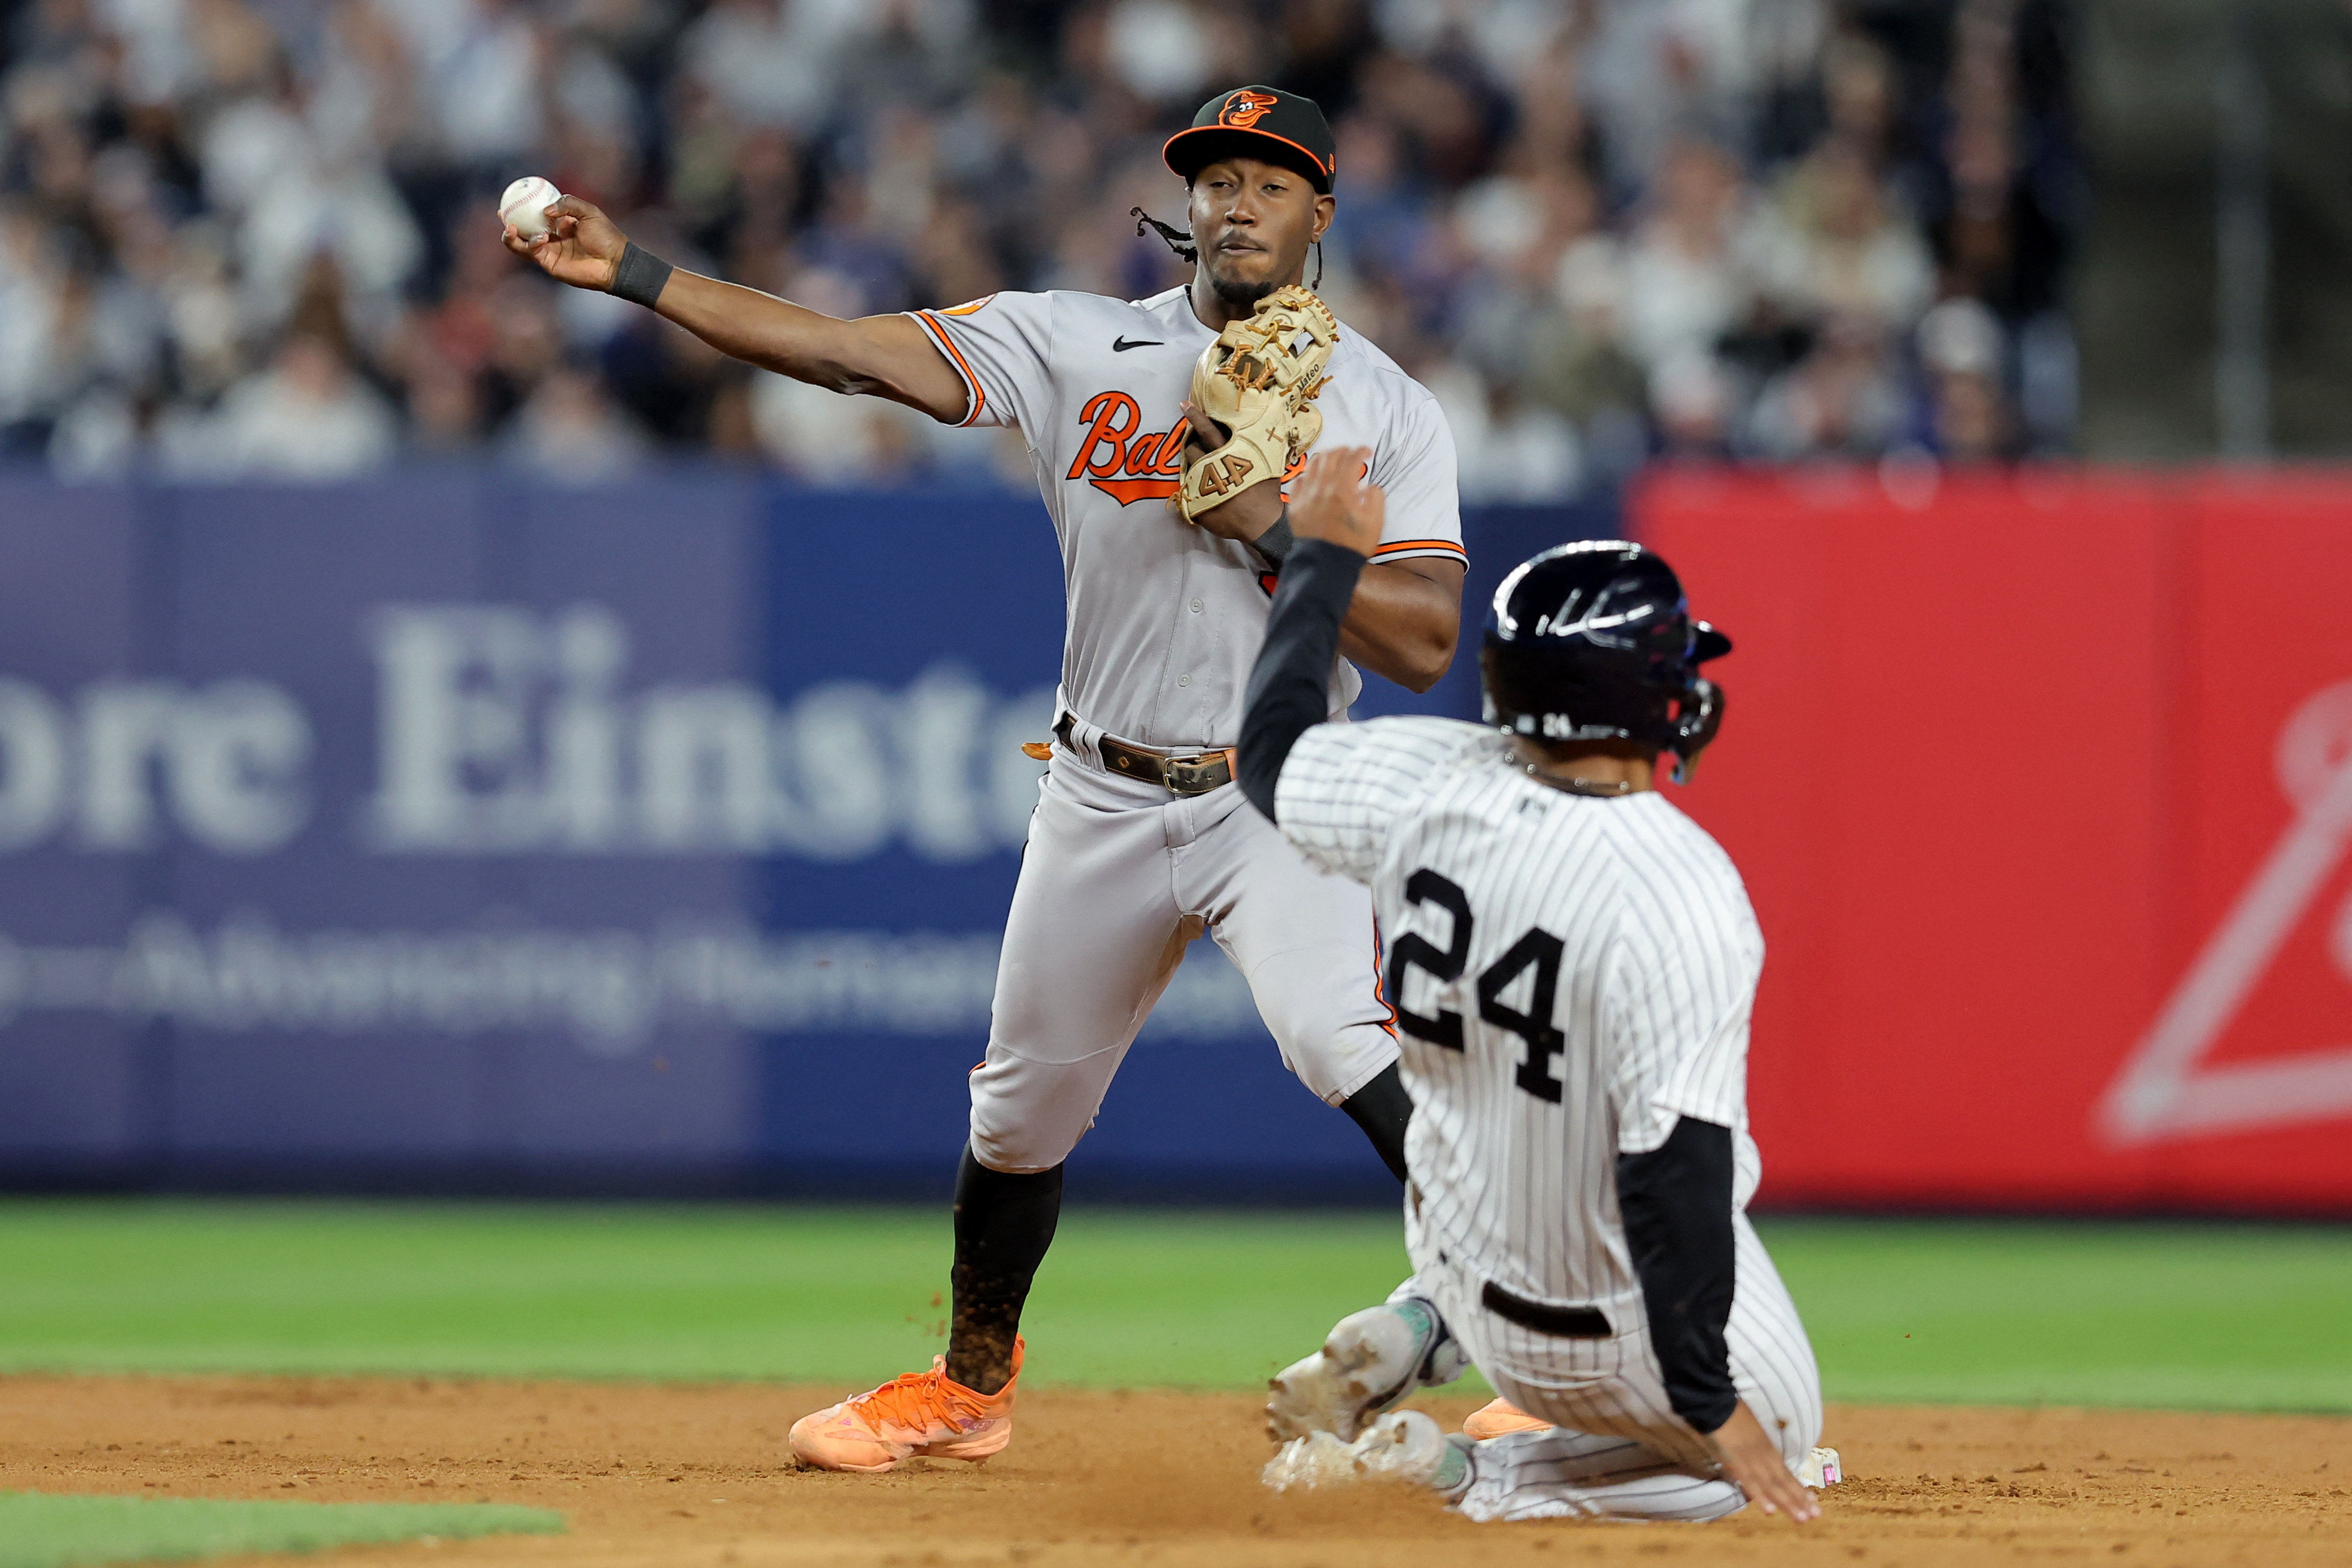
(1170, 546)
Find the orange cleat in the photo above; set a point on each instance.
(923, 1415)
(1499, 1417)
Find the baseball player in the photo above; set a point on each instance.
(1171, 524)
(1572, 962)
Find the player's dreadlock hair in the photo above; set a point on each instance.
(1178, 240)
(1181, 243)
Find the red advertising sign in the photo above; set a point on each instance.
(2042, 787)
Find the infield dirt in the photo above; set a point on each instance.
(654, 1475)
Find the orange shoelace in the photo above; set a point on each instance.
(917, 1400)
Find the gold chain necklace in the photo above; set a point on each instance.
(1579, 785)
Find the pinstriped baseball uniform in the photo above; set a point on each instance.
(1163, 621)
(1571, 974)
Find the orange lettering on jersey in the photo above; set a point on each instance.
(1127, 492)
(1110, 418)
(1130, 467)
(1126, 466)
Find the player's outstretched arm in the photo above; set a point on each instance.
(1337, 522)
(887, 356)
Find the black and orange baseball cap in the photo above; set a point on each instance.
(1257, 122)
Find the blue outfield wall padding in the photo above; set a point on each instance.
(448, 833)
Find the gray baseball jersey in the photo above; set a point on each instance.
(1163, 617)
(1164, 622)
(1571, 974)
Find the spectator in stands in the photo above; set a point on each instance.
(1577, 361)
(1690, 272)
(1960, 349)
(1833, 246)
(306, 416)
(568, 431)
(1842, 399)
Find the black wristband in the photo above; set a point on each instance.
(640, 276)
(1274, 545)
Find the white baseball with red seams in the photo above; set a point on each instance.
(525, 205)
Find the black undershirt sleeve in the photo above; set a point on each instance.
(1289, 691)
(1676, 1201)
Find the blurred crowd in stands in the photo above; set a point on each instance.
(257, 236)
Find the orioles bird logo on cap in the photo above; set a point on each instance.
(1246, 109)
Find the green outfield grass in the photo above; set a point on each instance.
(38, 1531)
(2180, 1316)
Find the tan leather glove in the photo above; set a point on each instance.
(1258, 381)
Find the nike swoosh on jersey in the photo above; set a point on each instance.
(1121, 344)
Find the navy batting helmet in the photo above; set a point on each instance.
(1595, 642)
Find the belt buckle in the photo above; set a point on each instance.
(1192, 775)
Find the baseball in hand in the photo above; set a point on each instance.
(525, 205)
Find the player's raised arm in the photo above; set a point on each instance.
(1337, 519)
(887, 356)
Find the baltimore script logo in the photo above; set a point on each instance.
(1129, 466)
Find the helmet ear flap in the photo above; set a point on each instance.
(1699, 715)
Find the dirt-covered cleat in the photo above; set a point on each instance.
(923, 1415)
(1408, 1446)
(1498, 1417)
(1318, 1460)
(1402, 1445)
(1371, 1360)
(1821, 1468)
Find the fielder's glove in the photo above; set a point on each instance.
(1258, 381)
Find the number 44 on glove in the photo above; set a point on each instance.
(1259, 381)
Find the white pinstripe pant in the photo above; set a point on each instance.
(1618, 1450)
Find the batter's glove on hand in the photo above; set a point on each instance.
(1259, 381)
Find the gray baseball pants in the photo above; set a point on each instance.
(1118, 878)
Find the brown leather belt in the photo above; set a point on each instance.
(1561, 1322)
(1195, 773)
